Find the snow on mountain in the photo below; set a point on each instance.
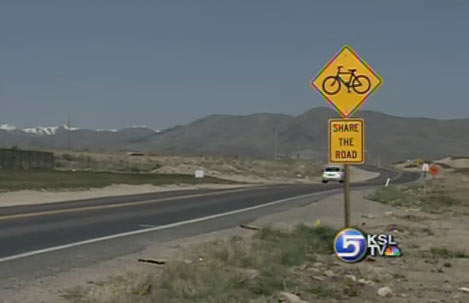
(46, 130)
(71, 128)
(41, 130)
(143, 126)
(52, 130)
(137, 126)
(7, 127)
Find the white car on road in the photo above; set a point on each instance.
(333, 173)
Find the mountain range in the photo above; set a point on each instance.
(388, 138)
(61, 137)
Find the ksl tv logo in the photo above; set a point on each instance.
(352, 245)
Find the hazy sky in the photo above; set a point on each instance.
(109, 64)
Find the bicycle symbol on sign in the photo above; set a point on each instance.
(359, 83)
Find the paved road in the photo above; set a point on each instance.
(52, 237)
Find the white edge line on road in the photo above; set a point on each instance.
(141, 231)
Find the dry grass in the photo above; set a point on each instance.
(107, 162)
(233, 270)
(447, 253)
(436, 197)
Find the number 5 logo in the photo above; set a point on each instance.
(351, 240)
(350, 245)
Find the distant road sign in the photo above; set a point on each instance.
(346, 141)
(346, 82)
(425, 167)
(199, 174)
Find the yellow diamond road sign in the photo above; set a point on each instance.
(346, 141)
(346, 82)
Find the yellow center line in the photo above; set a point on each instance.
(117, 205)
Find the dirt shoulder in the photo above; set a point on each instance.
(30, 197)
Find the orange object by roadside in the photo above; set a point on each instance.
(434, 170)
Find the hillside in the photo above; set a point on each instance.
(251, 135)
(388, 138)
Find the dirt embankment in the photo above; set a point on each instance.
(229, 168)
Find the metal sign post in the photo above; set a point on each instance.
(347, 195)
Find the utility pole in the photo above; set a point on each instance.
(69, 139)
(275, 143)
